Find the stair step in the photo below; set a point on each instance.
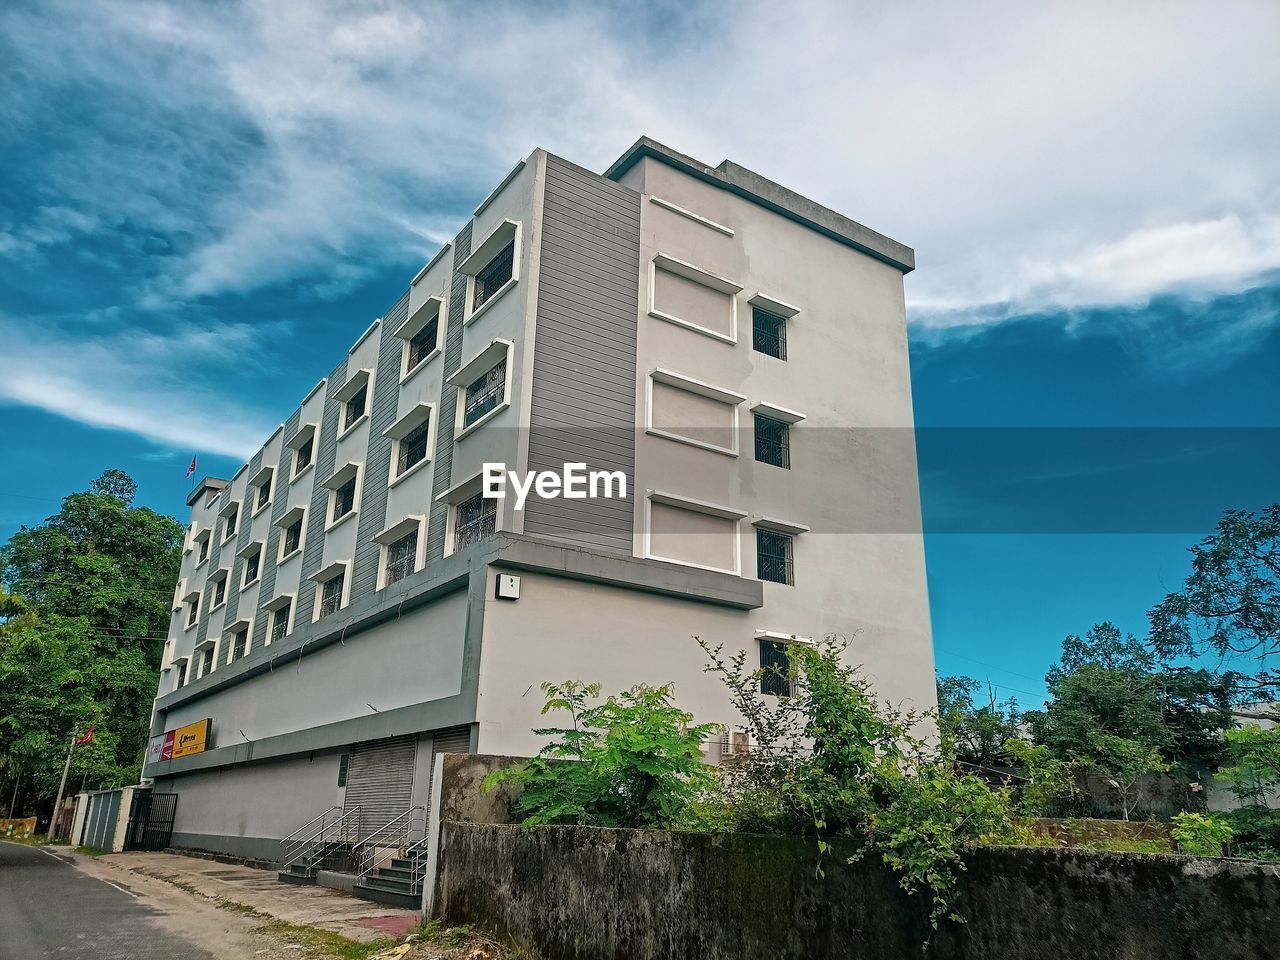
(388, 883)
(393, 898)
(398, 873)
(400, 863)
(299, 878)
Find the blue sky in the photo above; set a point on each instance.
(202, 205)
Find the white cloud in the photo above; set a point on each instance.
(1037, 156)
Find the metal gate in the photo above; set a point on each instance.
(380, 779)
(151, 820)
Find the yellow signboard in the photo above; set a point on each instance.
(193, 738)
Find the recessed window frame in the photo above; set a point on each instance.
(306, 438)
(253, 550)
(296, 515)
(498, 351)
(231, 633)
(507, 233)
(230, 516)
(697, 506)
(433, 309)
(787, 559)
(321, 579)
(680, 381)
(706, 278)
(349, 472)
(390, 537)
(208, 658)
(203, 541)
(263, 482)
(361, 381)
(775, 310)
(286, 604)
(192, 603)
(219, 578)
(400, 432)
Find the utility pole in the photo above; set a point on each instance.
(13, 801)
(62, 784)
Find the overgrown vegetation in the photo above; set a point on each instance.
(1201, 835)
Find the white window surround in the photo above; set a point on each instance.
(350, 471)
(698, 275)
(229, 637)
(701, 388)
(274, 604)
(267, 473)
(247, 551)
(323, 576)
(394, 532)
(399, 430)
(508, 231)
(181, 662)
(778, 308)
(307, 431)
(435, 306)
(232, 507)
(197, 652)
(284, 523)
(484, 361)
(775, 412)
(459, 492)
(179, 594)
(689, 214)
(221, 575)
(698, 506)
(188, 622)
(361, 378)
(779, 637)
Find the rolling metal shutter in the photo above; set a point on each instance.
(380, 779)
(453, 740)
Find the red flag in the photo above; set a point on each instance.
(87, 738)
(191, 469)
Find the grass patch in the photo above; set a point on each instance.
(323, 943)
(91, 852)
(36, 840)
(467, 938)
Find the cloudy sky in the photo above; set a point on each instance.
(203, 204)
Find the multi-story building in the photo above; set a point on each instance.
(351, 601)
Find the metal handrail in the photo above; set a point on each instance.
(417, 851)
(367, 850)
(312, 850)
(308, 823)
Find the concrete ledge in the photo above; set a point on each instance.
(334, 880)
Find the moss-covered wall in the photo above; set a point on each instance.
(578, 893)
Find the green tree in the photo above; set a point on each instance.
(82, 630)
(974, 732)
(1051, 781)
(1124, 765)
(1230, 606)
(1253, 770)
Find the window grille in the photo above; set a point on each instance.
(422, 343)
(402, 557)
(477, 517)
(206, 663)
(768, 333)
(251, 564)
(293, 536)
(219, 591)
(344, 499)
(331, 595)
(182, 674)
(485, 393)
(773, 441)
(204, 549)
(775, 669)
(193, 613)
(774, 557)
(494, 276)
(230, 527)
(302, 456)
(240, 647)
(355, 406)
(264, 492)
(280, 622)
(413, 448)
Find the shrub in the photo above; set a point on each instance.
(1201, 835)
(634, 760)
(1257, 832)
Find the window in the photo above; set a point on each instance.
(354, 408)
(343, 762)
(206, 661)
(331, 594)
(302, 455)
(402, 557)
(219, 590)
(494, 276)
(485, 393)
(230, 521)
(344, 499)
(775, 667)
(422, 343)
(240, 645)
(264, 492)
(252, 563)
(475, 519)
(773, 441)
(204, 549)
(193, 612)
(292, 537)
(413, 448)
(773, 557)
(182, 673)
(280, 621)
(768, 333)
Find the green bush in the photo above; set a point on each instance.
(634, 760)
(1201, 835)
(1257, 832)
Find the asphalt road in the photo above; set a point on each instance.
(48, 908)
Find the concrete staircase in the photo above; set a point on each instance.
(339, 857)
(398, 883)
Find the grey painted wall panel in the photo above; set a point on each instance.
(584, 365)
(373, 496)
(326, 453)
(271, 552)
(443, 470)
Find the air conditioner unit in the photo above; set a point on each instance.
(734, 743)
